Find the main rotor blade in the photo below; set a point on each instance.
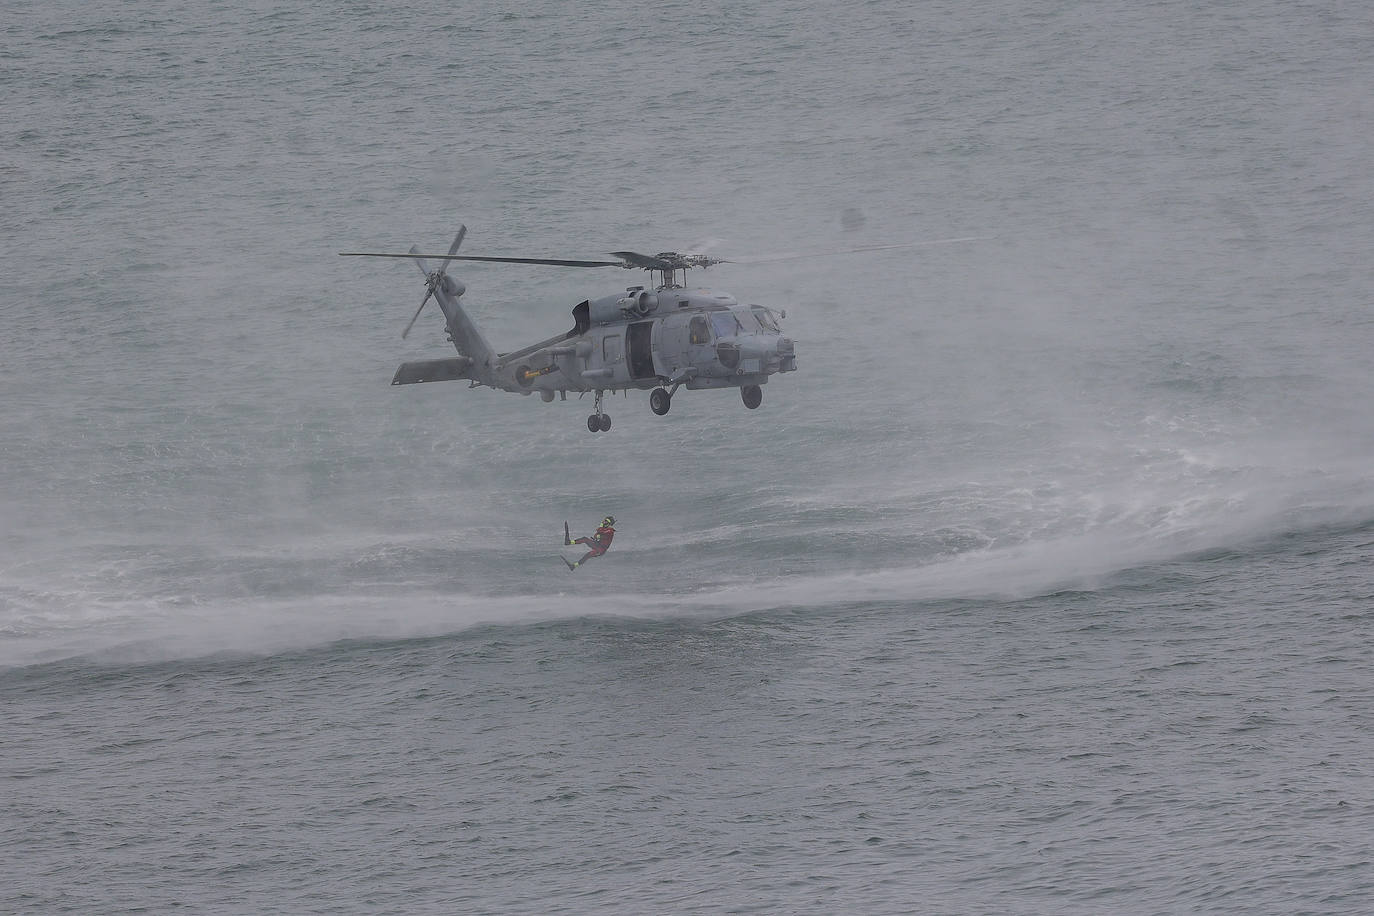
(556, 262)
(820, 254)
(643, 261)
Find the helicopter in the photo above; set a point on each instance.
(665, 338)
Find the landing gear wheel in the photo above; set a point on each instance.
(752, 395)
(660, 401)
(598, 422)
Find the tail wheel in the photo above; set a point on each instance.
(660, 402)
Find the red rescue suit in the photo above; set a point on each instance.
(598, 543)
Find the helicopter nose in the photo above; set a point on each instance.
(769, 352)
(768, 347)
(787, 355)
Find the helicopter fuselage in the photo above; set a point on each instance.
(693, 338)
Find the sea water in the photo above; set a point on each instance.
(1042, 586)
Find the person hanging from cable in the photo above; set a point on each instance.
(597, 544)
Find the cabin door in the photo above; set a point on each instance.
(639, 352)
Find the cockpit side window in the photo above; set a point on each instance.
(700, 330)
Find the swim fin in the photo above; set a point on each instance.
(567, 536)
(571, 566)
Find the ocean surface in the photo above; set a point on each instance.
(1043, 586)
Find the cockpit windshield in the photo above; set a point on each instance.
(765, 318)
(725, 324)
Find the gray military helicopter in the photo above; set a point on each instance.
(662, 339)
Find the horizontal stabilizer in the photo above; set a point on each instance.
(432, 370)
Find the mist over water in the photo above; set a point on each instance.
(1041, 586)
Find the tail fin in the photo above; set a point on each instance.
(447, 291)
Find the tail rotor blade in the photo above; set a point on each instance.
(415, 254)
(457, 240)
(423, 302)
(452, 250)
